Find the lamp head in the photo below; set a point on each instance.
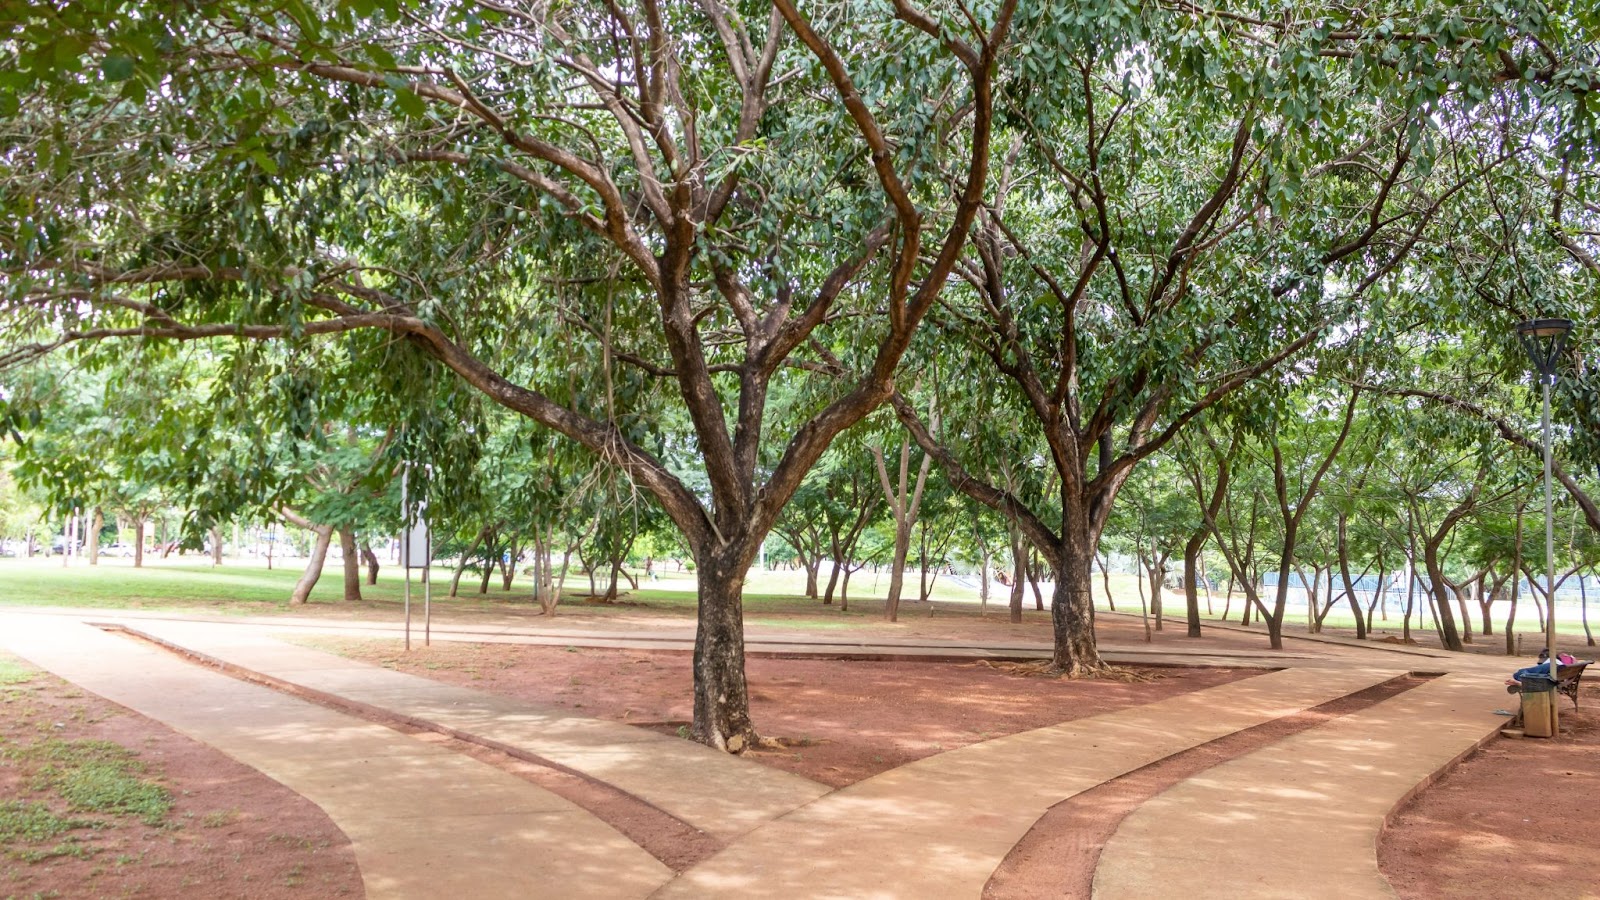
(1544, 339)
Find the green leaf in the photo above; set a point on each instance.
(380, 56)
(117, 68)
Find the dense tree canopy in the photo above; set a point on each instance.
(678, 251)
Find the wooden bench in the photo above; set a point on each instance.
(1568, 678)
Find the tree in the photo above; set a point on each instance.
(693, 193)
(852, 502)
(1210, 506)
(904, 498)
(1165, 525)
(1131, 274)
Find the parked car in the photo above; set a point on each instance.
(117, 549)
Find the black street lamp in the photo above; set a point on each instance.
(1544, 339)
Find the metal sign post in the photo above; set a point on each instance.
(405, 507)
(427, 588)
(415, 535)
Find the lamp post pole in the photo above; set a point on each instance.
(1549, 538)
(1544, 339)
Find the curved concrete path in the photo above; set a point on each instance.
(939, 827)
(1297, 819)
(423, 821)
(721, 795)
(1311, 806)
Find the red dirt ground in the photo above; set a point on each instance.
(232, 832)
(847, 720)
(842, 720)
(1479, 832)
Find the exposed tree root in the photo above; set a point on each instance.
(1048, 669)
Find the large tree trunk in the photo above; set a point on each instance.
(721, 699)
(1072, 610)
(352, 566)
(313, 571)
(216, 545)
(138, 543)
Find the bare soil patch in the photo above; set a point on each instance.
(840, 720)
(230, 832)
(1481, 830)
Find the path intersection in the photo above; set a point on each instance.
(427, 821)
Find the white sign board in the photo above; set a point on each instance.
(416, 536)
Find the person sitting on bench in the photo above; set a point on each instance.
(1542, 669)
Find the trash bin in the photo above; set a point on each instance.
(1541, 716)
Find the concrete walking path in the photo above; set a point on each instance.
(423, 821)
(939, 827)
(721, 795)
(1311, 806)
(1298, 818)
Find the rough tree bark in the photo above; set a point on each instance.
(352, 565)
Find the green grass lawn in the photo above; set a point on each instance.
(117, 584)
(773, 598)
(251, 588)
